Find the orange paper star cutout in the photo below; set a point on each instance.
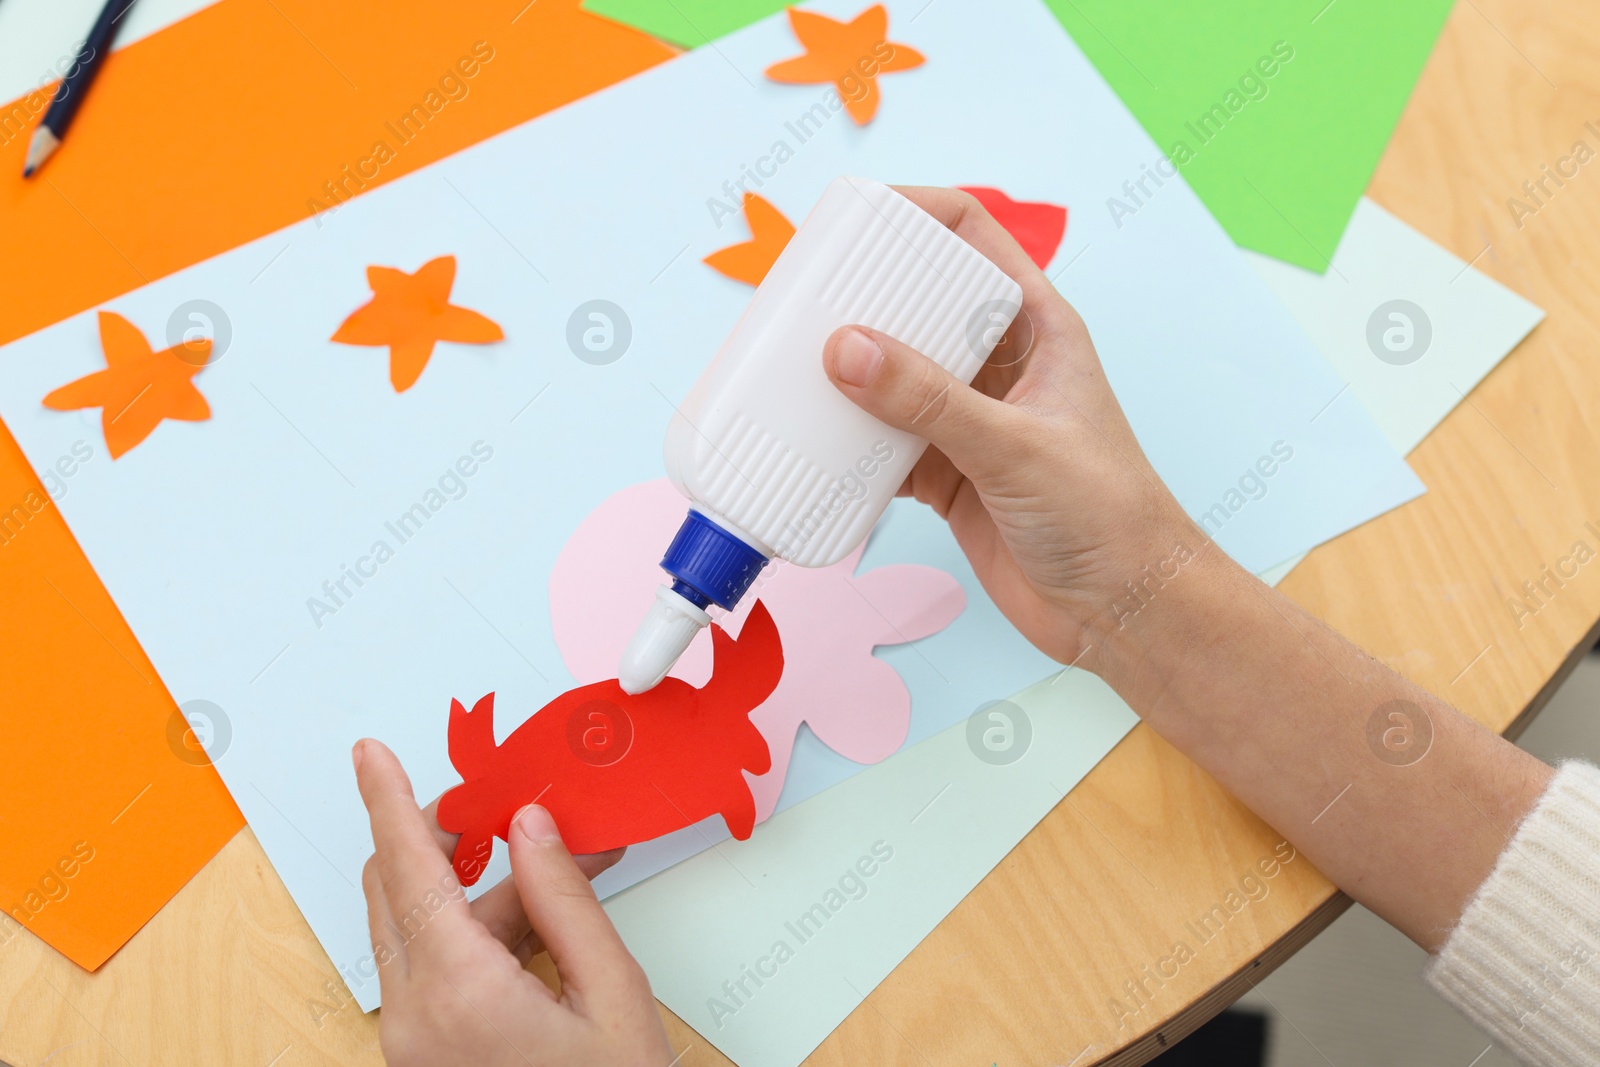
(769, 235)
(139, 387)
(851, 55)
(410, 313)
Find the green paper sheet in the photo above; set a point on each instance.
(1280, 159)
(686, 23)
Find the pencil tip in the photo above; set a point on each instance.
(44, 142)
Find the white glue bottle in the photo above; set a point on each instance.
(774, 460)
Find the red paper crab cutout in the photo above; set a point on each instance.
(1038, 227)
(614, 769)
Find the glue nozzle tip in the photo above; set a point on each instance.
(661, 638)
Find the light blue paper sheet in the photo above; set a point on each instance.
(213, 536)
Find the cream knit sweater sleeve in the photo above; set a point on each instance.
(1524, 964)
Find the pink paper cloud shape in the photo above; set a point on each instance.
(830, 619)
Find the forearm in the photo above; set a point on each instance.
(1046, 490)
(1319, 739)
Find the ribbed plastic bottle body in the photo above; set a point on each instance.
(764, 443)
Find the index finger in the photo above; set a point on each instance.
(499, 908)
(1047, 314)
(969, 220)
(592, 865)
(417, 881)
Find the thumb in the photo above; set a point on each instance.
(595, 967)
(908, 391)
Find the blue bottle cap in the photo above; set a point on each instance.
(710, 565)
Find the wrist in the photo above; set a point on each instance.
(1169, 610)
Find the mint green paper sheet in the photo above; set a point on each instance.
(1280, 159)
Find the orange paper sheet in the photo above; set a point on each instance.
(231, 124)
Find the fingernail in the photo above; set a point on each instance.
(534, 823)
(856, 359)
(357, 752)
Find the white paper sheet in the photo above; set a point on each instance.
(213, 536)
(40, 38)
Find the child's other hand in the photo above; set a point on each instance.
(451, 971)
(1034, 466)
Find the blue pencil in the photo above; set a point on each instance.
(47, 138)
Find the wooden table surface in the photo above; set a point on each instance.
(1031, 967)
